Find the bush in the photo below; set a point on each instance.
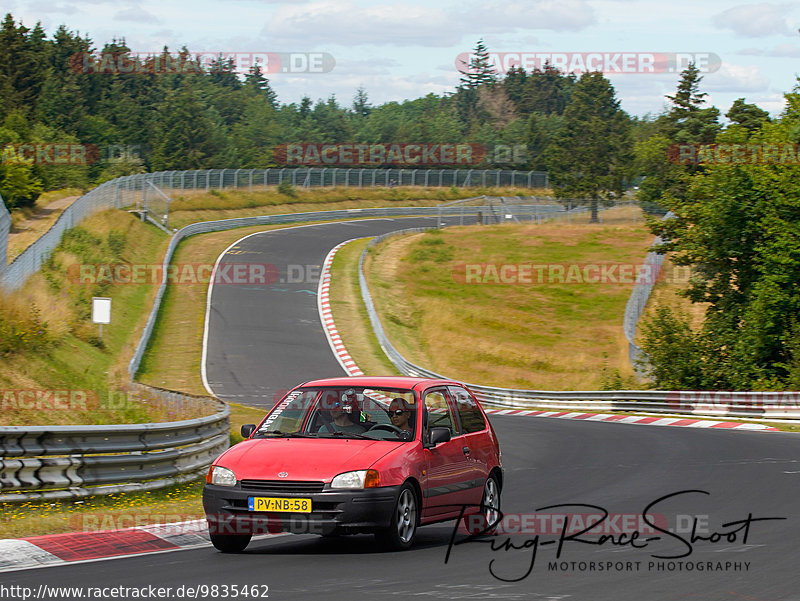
(21, 333)
(18, 186)
(287, 189)
(677, 354)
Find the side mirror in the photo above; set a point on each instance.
(439, 435)
(248, 429)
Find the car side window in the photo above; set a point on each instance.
(468, 411)
(440, 413)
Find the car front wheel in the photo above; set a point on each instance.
(490, 504)
(403, 528)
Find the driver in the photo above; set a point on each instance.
(344, 413)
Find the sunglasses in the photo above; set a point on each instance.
(396, 412)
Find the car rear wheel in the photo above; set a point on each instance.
(403, 528)
(230, 543)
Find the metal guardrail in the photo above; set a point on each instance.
(637, 303)
(777, 405)
(62, 462)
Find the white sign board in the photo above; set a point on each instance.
(101, 309)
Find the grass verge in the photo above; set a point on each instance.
(103, 512)
(543, 335)
(52, 345)
(192, 206)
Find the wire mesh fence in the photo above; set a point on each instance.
(312, 177)
(5, 228)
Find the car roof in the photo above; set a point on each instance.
(380, 382)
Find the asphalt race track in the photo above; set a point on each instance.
(265, 340)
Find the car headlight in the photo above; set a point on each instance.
(222, 476)
(357, 479)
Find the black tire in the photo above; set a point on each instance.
(490, 504)
(400, 535)
(230, 543)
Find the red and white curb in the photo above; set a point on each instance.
(326, 315)
(350, 367)
(70, 547)
(636, 419)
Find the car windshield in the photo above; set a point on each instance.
(338, 413)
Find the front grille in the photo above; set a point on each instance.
(283, 486)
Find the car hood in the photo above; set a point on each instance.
(301, 459)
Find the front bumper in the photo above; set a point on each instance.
(333, 511)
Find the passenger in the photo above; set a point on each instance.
(400, 414)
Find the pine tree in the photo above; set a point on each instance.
(255, 80)
(687, 121)
(589, 157)
(479, 71)
(185, 137)
(361, 105)
(23, 65)
(749, 116)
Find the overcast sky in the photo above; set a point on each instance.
(404, 50)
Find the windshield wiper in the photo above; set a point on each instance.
(350, 434)
(290, 434)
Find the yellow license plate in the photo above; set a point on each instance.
(279, 504)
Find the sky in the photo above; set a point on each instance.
(405, 50)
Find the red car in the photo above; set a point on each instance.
(357, 454)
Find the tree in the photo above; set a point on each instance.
(185, 137)
(361, 105)
(18, 185)
(23, 65)
(476, 74)
(589, 157)
(514, 83)
(255, 80)
(256, 134)
(686, 122)
(739, 229)
(546, 91)
(479, 71)
(748, 116)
